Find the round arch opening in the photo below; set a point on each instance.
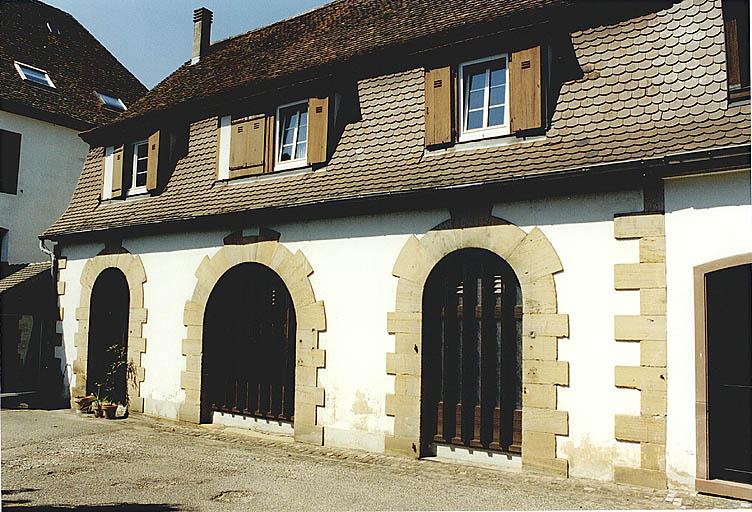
(471, 377)
(248, 357)
(108, 337)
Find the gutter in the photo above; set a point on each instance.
(693, 162)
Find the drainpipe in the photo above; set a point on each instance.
(51, 255)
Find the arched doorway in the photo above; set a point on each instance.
(248, 361)
(108, 337)
(472, 354)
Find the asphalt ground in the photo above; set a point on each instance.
(58, 460)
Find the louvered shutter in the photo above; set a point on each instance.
(318, 129)
(247, 146)
(525, 98)
(732, 53)
(152, 162)
(117, 171)
(438, 98)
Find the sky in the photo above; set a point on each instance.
(152, 38)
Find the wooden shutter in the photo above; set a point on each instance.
(525, 98)
(118, 155)
(732, 53)
(269, 149)
(438, 87)
(318, 128)
(152, 163)
(247, 146)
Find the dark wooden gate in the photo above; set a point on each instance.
(472, 393)
(248, 362)
(106, 371)
(729, 338)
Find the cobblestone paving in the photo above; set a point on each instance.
(54, 460)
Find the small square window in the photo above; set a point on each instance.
(111, 102)
(139, 167)
(484, 98)
(292, 136)
(35, 75)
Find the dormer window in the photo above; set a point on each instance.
(139, 167)
(484, 98)
(292, 135)
(35, 75)
(111, 102)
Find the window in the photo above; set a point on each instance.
(484, 98)
(35, 75)
(736, 27)
(111, 102)
(292, 136)
(139, 167)
(10, 157)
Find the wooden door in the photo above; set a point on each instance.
(471, 388)
(729, 352)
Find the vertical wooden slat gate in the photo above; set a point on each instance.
(249, 359)
(472, 354)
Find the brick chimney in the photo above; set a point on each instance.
(202, 20)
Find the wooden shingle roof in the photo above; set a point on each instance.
(652, 87)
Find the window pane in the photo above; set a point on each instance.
(300, 152)
(475, 99)
(142, 150)
(475, 119)
(286, 153)
(34, 75)
(304, 118)
(496, 116)
(289, 135)
(497, 95)
(498, 74)
(476, 79)
(303, 134)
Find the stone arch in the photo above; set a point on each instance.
(534, 261)
(133, 270)
(294, 270)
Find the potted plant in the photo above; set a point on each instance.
(84, 403)
(98, 402)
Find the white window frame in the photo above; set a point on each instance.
(486, 132)
(134, 190)
(108, 168)
(102, 97)
(19, 67)
(293, 163)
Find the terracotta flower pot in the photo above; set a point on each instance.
(109, 411)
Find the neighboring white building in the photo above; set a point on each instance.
(54, 76)
(502, 240)
(56, 80)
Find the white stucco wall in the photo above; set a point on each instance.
(352, 261)
(707, 218)
(51, 160)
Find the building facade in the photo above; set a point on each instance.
(505, 233)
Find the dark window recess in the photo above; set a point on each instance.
(736, 28)
(10, 156)
(472, 357)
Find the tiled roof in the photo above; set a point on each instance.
(76, 62)
(23, 274)
(652, 87)
(332, 34)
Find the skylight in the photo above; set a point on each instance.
(32, 74)
(111, 102)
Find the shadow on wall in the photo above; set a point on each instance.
(702, 192)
